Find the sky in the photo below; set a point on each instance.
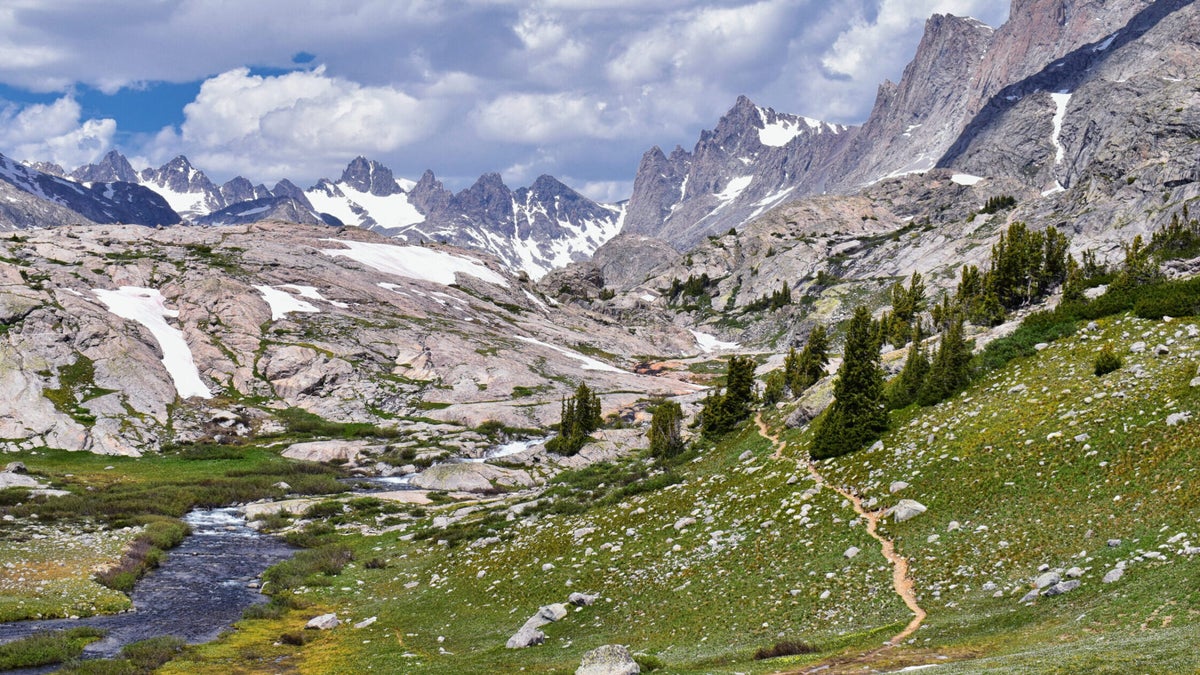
(295, 89)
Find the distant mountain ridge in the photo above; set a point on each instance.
(531, 229)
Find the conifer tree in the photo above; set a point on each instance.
(665, 427)
(802, 371)
(857, 415)
(723, 411)
(580, 416)
(950, 371)
(903, 390)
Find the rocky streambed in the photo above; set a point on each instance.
(202, 587)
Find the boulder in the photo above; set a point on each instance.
(581, 599)
(16, 480)
(1175, 419)
(526, 637)
(906, 509)
(323, 622)
(608, 660)
(1061, 587)
(15, 467)
(1047, 579)
(471, 477)
(350, 452)
(554, 612)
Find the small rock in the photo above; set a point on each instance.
(366, 622)
(553, 612)
(906, 509)
(547, 567)
(1074, 572)
(1175, 419)
(851, 552)
(581, 599)
(1161, 350)
(1113, 575)
(323, 622)
(1061, 587)
(1047, 579)
(1113, 543)
(15, 467)
(1030, 596)
(526, 637)
(1137, 347)
(953, 526)
(1016, 389)
(608, 660)
(824, 595)
(684, 522)
(897, 486)
(1041, 346)
(988, 587)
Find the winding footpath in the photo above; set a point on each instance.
(900, 580)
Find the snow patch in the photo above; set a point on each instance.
(588, 362)
(1060, 113)
(148, 307)
(282, 302)
(735, 188)
(1106, 44)
(415, 262)
(965, 179)
(312, 293)
(709, 343)
(1058, 187)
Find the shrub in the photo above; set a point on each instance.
(784, 648)
(1107, 361)
(46, 648)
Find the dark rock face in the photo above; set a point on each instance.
(370, 176)
(115, 202)
(242, 190)
(1093, 112)
(913, 122)
(533, 229)
(264, 208)
(113, 167)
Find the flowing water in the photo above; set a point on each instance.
(200, 589)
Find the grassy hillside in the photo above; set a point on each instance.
(1041, 463)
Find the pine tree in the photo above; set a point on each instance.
(722, 411)
(902, 391)
(857, 415)
(950, 371)
(804, 370)
(579, 417)
(665, 427)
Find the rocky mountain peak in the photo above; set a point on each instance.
(429, 194)
(915, 121)
(112, 167)
(370, 176)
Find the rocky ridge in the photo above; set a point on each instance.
(299, 316)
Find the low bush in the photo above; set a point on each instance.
(47, 648)
(784, 648)
(306, 567)
(1107, 361)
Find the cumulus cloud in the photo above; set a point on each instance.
(292, 123)
(54, 132)
(569, 87)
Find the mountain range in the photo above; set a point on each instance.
(1029, 101)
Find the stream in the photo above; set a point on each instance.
(201, 588)
(205, 583)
